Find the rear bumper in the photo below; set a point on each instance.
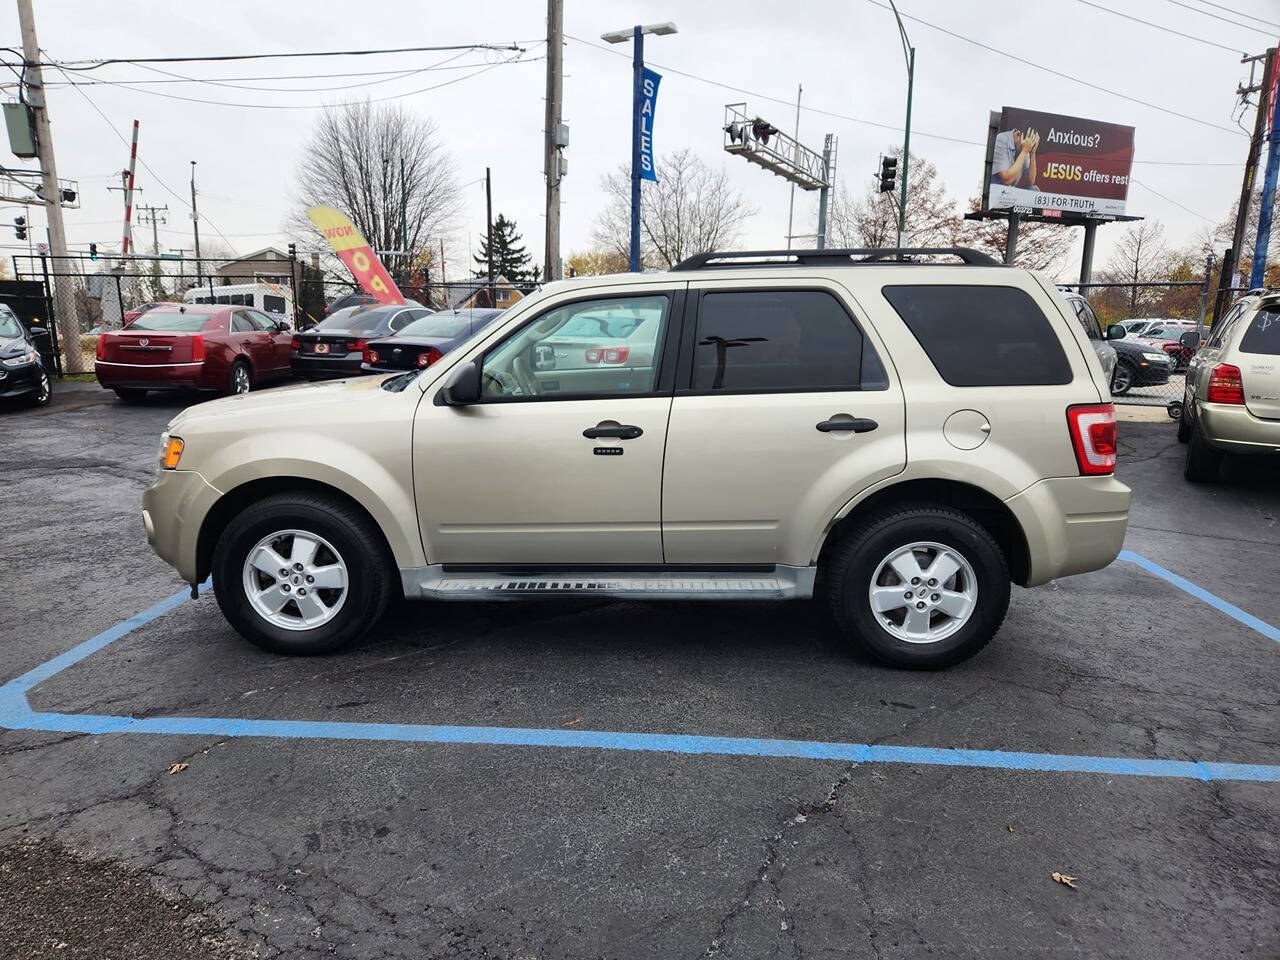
(173, 508)
(152, 376)
(1232, 428)
(19, 381)
(317, 367)
(1072, 524)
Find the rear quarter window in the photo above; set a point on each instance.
(982, 336)
(1262, 335)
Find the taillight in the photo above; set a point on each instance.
(370, 356)
(1225, 385)
(197, 349)
(1093, 434)
(102, 346)
(608, 354)
(295, 343)
(358, 344)
(429, 356)
(593, 355)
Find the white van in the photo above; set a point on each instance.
(267, 297)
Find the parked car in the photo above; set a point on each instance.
(357, 298)
(1138, 326)
(1098, 339)
(1139, 364)
(762, 452)
(23, 375)
(334, 347)
(193, 347)
(424, 341)
(1231, 402)
(1168, 337)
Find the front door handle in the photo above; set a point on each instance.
(607, 428)
(856, 425)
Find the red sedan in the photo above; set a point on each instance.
(193, 347)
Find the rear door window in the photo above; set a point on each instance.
(982, 336)
(240, 323)
(782, 341)
(1263, 333)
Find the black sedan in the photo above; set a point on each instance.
(334, 347)
(1138, 365)
(22, 370)
(425, 341)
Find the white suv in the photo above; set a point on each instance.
(899, 439)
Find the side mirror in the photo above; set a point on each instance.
(462, 388)
(1116, 332)
(1190, 339)
(282, 327)
(38, 331)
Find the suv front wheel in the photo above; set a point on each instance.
(301, 574)
(919, 587)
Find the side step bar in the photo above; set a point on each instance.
(781, 583)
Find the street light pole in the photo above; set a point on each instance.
(909, 54)
(636, 36)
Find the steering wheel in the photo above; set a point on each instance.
(519, 367)
(507, 385)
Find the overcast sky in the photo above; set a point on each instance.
(846, 54)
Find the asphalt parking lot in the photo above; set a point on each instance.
(604, 779)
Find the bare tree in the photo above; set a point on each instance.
(1140, 256)
(872, 219)
(353, 162)
(691, 209)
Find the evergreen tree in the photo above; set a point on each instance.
(510, 259)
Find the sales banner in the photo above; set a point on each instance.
(355, 252)
(649, 81)
(1038, 162)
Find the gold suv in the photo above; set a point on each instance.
(1232, 399)
(898, 439)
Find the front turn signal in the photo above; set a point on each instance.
(172, 452)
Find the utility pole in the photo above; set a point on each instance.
(552, 137)
(1229, 271)
(68, 317)
(155, 216)
(404, 226)
(791, 205)
(195, 225)
(488, 212)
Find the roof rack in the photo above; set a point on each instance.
(841, 256)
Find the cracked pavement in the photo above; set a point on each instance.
(275, 847)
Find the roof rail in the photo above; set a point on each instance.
(842, 256)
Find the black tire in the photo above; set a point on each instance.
(129, 394)
(356, 541)
(1184, 423)
(854, 562)
(240, 379)
(1203, 463)
(1122, 378)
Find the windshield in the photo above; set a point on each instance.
(437, 325)
(171, 320)
(9, 325)
(353, 318)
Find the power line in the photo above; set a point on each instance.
(403, 72)
(1161, 27)
(1169, 200)
(1241, 13)
(81, 65)
(1206, 13)
(1058, 73)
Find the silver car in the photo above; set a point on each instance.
(1093, 330)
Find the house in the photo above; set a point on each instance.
(268, 264)
(462, 294)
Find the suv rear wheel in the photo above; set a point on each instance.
(301, 574)
(1203, 462)
(919, 587)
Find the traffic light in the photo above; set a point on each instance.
(93, 251)
(293, 251)
(762, 130)
(20, 227)
(888, 173)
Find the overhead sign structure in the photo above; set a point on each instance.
(1039, 162)
(649, 80)
(355, 252)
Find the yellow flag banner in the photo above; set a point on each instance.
(355, 252)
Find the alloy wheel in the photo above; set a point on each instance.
(923, 592)
(240, 380)
(295, 579)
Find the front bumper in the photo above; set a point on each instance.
(1232, 428)
(19, 381)
(1072, 524)
(173, 509)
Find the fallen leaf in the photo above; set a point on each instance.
(1010, 828)
(574, 722)
(178, 768)
(1065, 880)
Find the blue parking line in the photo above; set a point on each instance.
(1200, 593)
(16, 714)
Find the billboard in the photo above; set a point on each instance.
(1039, 162)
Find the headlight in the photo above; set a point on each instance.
(170, 452)
(22, 359)
(1155, 356)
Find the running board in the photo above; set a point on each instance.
(781, 583)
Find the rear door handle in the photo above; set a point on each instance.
(856, 425)
(607, 428)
